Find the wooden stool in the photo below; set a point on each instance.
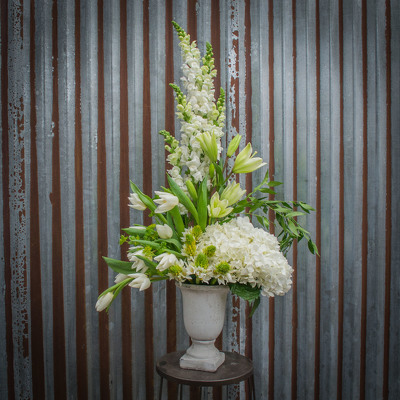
(235, 369)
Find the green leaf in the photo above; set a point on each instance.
(266, 190)
(148, 202)
(294, 214)
(274, 183)
(153, 245)
(202, 204)
(176, 253)
(292, 228)
(246, 292)
(306, 206)
(183, 198)
(254, 306)
(174, 242)
(120, 285)
(134, 231)
(263, 221)
(238, 210)
(266, 177)
(178, 222)
(312, 247)
(220, 175)
(281, 209)
(122, 267)
(148, 262)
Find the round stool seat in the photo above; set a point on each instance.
(236, 368)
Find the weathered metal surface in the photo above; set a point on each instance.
(316, 77)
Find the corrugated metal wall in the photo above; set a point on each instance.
(313, 84)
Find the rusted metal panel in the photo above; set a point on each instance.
(311, 84)
(394, 333)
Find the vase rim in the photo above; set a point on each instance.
(201, 287)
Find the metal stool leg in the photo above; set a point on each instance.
(252, 388)
(160, 391)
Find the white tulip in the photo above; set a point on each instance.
(164, 231)
(120, 277)
(104, 301)
(138, 264)
(165, 260)
(141, 281)
(136, 203)
(167, 202)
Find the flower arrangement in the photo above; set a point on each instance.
(203, 234)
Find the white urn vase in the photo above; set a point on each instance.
(203, 315)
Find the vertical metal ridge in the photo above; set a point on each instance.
(60, 383)
(249, 180)
(169, 126)
(124, 209)
(233, 127)
(318, 208)
(81, 345)
(147, 188)
(102, 237)
(271, 308)
(6, 204)
(294, 155)
(192, 31)
(341, 213)
(215, 41)
(38, 390)
(388, 213)
(364, 248)
(192, 19)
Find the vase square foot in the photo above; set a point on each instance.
(203, 364)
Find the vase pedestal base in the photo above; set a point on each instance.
(202, 356)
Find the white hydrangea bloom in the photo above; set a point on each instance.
(253, 255)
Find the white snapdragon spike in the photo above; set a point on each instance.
(136, 203)
(104, 301)
(165, 260)
(198, 114)
(164, 231)
(140, 281)
(167, 202)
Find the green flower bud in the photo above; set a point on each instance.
(208, 143)
(175, 269)
(233, 145)
(191, 189)
(211, 170)
(209, 251)
(222, 268)
(190, 245)
(197, 231)
(201, 261)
